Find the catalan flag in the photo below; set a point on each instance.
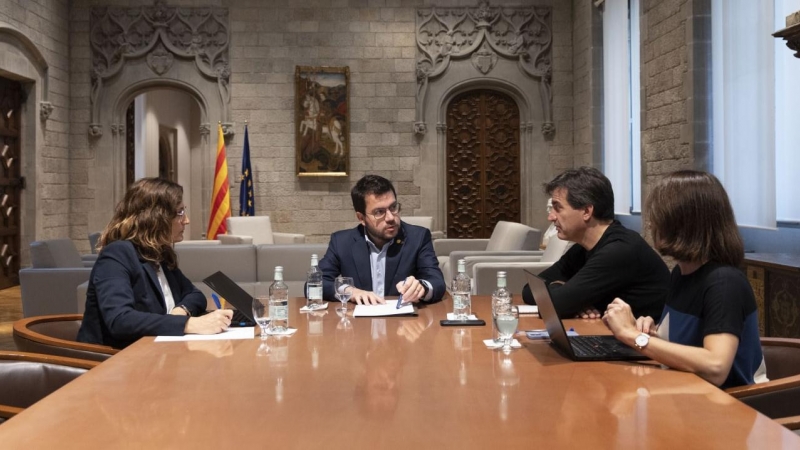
(246, 197)
(220, 198)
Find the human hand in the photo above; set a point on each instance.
(212, 323)
(619, 318)
(411, 289)
(588, 313)
(646, 324)
(362, 297)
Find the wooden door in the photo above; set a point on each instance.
(483, 185)
(11, 182)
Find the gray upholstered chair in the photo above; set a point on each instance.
(49, 285)
(57, 335)
(423, 221)
(506, 237)
(483, 269)
(28, 377)
(93, 238)
(295, 259)
(256, 230)
(778, 398)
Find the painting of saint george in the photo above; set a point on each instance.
(322, 121)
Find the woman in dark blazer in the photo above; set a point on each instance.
(135, 288)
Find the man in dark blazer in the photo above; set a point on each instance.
(385, 256)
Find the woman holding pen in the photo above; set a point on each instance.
(135, 288)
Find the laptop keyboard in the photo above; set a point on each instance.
(594, 346)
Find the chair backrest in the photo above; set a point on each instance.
(782, 357)
(259, 227)
(420, 221)
(27, 378)
(57, 335)
(508, 236)
(555, 249)
(93, 238)
(55, 253)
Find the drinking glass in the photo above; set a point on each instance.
(506, 321)
(261, 313)
(344, 290)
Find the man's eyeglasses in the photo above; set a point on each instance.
(380, 213)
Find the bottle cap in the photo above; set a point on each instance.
(314, 259)
(462, 265)
(278, 273)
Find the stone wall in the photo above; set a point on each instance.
(587, 57)
(45, 158)
(666, 145)
(375, 39)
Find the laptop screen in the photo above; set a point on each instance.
(232, 292)
(548, 313)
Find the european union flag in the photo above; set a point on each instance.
(247, 206)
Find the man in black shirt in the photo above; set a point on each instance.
(609, 261)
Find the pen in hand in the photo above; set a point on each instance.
(215, 297)
(400, 299)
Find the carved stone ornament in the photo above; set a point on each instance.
(484, 59)
(159, 33)
(791, 34)
(420, 128)
(228, 129)
(160, 60)
(205, 129)
(485, 34)
(45, 109)
(548, 129)
(95, 130)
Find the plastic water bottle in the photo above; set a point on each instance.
(501, 300)
(314, 284)
(278, 303)
(462, 292)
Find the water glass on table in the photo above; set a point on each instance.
(261, 309)
(506, 320)
(344, 290)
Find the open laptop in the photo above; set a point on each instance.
(577, 348)
(236, 296)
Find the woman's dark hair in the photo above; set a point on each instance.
(585, 186)
(144, 217)
(692, 219)
(369, 184)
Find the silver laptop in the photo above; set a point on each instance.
(577, 348)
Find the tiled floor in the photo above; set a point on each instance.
(10, 311)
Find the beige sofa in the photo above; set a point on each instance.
(248, 265)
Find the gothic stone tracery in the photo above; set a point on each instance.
(159, 33)
(484, 34)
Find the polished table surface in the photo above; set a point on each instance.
(384, 383)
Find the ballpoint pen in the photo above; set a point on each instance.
(216, 300)
(400, 299)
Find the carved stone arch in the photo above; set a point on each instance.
(22, 60)
(110, 165)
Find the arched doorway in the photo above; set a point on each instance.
(161, 140)
(483, 163)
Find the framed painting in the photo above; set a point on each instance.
(322, 121)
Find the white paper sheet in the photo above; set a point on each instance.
(528, 309)
(230, 333)
(389, 309)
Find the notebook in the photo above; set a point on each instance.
(577, 348)
(236, 296)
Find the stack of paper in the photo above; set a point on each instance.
(388, 309)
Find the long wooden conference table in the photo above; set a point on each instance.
(384, 383)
